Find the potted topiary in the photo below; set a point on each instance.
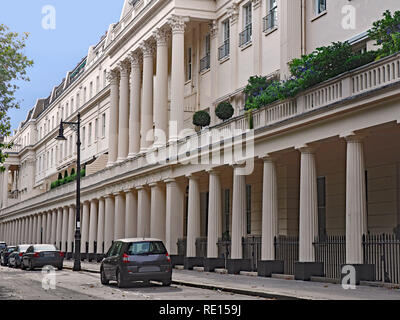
(201, 119)
(59, 176)
(224, 111)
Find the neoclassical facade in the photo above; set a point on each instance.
(323, 164)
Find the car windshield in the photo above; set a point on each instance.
(2, 246)
(23, 248)
(146, 247)
(48, 247)
(10, 250)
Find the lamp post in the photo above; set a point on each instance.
(76, 127)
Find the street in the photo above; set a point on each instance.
(16, 284)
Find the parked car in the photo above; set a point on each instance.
(40, 255)
(15, 257)
(3, 245)
(130, 260)
(5, 254)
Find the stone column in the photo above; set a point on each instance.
(100, 226)
(113, 77)
(39, 228)
(269, 226)
(157, 215)
(85, 226)
(147, 102)
(238, 213)
(34, 229)
(356, 204)
(214, 214)
(109, 222)
(71, 228)
(93, 225)
(174, 215)
(193, 223)
(123, 133)
(177, 76)
(134, 114)
(48, 227)
(119, 224)
(30, 230)
(131, 213)
(44, 227)
(63, 215)
(143, 212)
(59, 227)
(5, 185)
(161, 85)
(53, 227)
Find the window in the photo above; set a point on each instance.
(97, 84)
(84, 95)
(70, 146)
(90, 134)
(205, 62)
(62, 113)
(226, 212)
(83, 136)
(104, 78)
(146, 247)
(271, 20)
(103, 125)
(189, 65)
(223, 51)
(77, 101)
(52, 122)
(72, 105)
(248, 209)
(96, 129)
(245, 36)
(320, 6)
(321, 200)
(90, 90)
(66, 111)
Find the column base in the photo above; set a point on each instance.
(176, 260)
(84, 256)
(266, 268)
(131, 156)
(305, 270)
(234, 266)
(190, 262)
(363, 272)
(210, 264)
(119, 160)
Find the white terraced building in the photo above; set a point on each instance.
(326, 176)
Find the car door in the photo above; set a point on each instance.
(114, 259)
(26, 255)
(107, 260)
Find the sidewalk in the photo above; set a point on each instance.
(268, 287)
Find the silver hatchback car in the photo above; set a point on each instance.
(137, 259)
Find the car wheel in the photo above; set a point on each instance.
(166, 283)
(22, 265)
(60, 268)
(103, 278)
(120, 281)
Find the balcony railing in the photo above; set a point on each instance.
(271, 20)
(245, 35)
(223, 51)
(205, 63)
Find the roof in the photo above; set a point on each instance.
(138, 239)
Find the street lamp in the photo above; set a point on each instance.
(76, 127)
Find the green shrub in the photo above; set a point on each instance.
(53, 185)
(224, 110)
(72, 171)
(83, 173)
(201, 118)
(66, 174)
(59, 176)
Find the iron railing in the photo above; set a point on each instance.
(384, 252)
(245, 35)
(181, 247)
(270, 21)
(201, 247)
(223, 51)
(331, 250)
(252, 250)
(224, 248)
(205, 63)
(287, 250)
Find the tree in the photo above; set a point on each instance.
(13, 65)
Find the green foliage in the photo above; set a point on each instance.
(72, 171)
(201, 118)
(224, 110)
(59, 176)
(13, 65)
(83, 173)
(386, 33)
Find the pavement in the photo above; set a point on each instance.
(270, 288)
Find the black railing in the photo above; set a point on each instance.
(201, 247)
(287, 250)
(181, 247)
(245, 35)
(252, 250)
(224, 248)
(270, 21)
(384, 252)
(223, 51)
(331, 250)
(205, 63)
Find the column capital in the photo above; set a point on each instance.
(169, 180)
(214, 171)
(162, 36)
(192, 176)
(213, 26)
(128, 190)
(177, 23)
(268, 158)
(354, 137)
(306, 149)
(123, 67)
(147, 47)
(233, 13)
(136, 59)
(113, 76)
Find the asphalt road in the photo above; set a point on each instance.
(16, 284)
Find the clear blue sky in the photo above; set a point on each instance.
(79, 24)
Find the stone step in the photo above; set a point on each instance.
(282, 276)
(325, 280)
(221, 271)
(179, 267)
(199, 269)
(249, 273)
